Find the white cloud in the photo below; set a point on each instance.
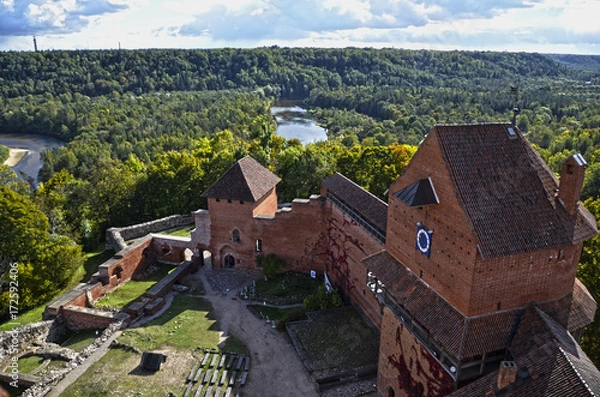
(521, 25)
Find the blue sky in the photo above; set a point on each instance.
(557, 26)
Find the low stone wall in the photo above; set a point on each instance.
(117, 236)
(20, 338)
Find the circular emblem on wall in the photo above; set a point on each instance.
(423, 241)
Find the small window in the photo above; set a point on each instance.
(229, 201)
(217, 200)
(258, 245)
(241, 201)
(236, 236)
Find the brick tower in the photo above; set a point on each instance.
(478, 230)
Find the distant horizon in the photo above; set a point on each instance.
(299, 47)
(529, 26)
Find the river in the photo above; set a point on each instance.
(31, 164)
(294, 121)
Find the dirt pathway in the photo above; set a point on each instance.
(275, 368)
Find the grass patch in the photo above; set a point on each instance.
(29, 317)
(92, 261)
(188, 323)
(336, 341)
(181, 232)
(291, 286)
(79, 340)
(28, 364)
(129, 292)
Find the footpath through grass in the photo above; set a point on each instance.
(182, 333)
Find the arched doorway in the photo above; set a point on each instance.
(229, 261)
(207, 258)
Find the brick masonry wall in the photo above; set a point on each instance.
(127, 261)
(349, 243)
(510, 282)
(450, 267)
(405, 366)
(78, 318)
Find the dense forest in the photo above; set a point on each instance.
(147, 130)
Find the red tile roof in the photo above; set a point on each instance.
(246, 180)
(370, 208)
(549, 360)
(507, 191)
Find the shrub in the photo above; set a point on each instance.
(323, 300)
(272, 265)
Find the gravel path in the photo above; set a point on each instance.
(275, 368)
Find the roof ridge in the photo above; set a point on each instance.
(583, 381)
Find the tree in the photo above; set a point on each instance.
(46, 263)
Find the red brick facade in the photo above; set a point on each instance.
(406, 368)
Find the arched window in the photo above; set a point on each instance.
(258, 245)
(236, 236)
(229, 261)
(391, 392)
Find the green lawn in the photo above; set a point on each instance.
(28, 364)
(79, 340)
(286, 285)
(183, 332)
(29, 317)
(92, 261)
(181, 232)
(129, 292)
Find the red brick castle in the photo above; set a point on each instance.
(469, 270)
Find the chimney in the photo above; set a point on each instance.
(507, 375)
(571, 182)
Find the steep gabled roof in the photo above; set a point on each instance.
(246, 180)
(507, 191)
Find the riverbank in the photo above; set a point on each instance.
(15, 157)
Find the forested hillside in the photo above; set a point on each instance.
(149, 130)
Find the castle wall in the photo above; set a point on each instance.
(78, 318)
(126, 262)
(348, 243)
(510, 282)
(405, 366)
(116, 237)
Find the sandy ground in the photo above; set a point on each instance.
(275, 368)
(16, 155)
